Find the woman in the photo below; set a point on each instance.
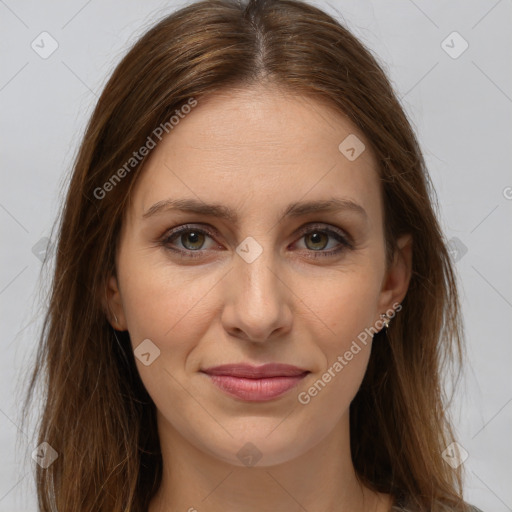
(253, 302)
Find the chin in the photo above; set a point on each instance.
(253, 447)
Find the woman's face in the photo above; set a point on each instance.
(278, 280)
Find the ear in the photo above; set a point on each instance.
(396, 281)
(113, 305)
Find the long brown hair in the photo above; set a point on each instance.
(96, 413)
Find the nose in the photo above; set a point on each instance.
(257, 305)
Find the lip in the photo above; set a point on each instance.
(256, 383)
(249, 371)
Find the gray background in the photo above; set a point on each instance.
(460, 108)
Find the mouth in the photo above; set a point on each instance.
(255, 383)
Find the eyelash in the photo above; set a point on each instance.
(187, 253)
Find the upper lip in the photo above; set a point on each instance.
(256, 372)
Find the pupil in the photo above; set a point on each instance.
(191, 239)
(316, 239)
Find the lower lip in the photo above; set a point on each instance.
(255, 390)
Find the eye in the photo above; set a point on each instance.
(188, 241)
(316, 238)
(191, 239)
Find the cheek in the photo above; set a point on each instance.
(164, 303)
(342, 303)
(344, 307)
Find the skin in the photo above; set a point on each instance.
(256, 150)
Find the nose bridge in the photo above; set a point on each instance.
(254, 270)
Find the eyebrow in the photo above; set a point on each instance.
(296, 209)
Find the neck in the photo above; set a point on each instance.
(316, 481)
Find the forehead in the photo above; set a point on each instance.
(260, 148)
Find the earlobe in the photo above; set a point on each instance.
(113, 306)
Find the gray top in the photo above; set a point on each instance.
(396, 508)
